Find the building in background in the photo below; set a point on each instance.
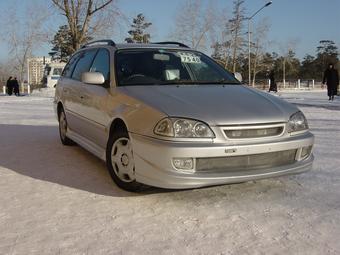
(36, 67)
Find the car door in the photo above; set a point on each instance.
(95, 100)
(66, 90)
(75, 93)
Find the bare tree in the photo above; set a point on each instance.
(221, 41)
(235, 28)
(259, 43)
(193, 23)
(286, 49)
(25, 34)
(222, 53)
(230, 42)
(6, 70)
(84, 20)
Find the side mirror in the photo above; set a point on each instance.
(238, 76)
(94, 78)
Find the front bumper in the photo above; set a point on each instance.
(153, 161)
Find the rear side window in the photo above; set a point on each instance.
(83, 64)
(70, 66)
(101, 64)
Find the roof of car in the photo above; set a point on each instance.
(158, 45)
(148, 45)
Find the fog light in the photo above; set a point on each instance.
(183, 163)
(306, 151)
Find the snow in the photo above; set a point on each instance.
(43, 92)
(61, 200)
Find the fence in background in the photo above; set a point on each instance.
(24, 89)
(260, 84)
(290, 84)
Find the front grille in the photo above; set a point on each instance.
(246, 162)
(244, 133)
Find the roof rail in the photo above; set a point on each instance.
(175, 43)
(108, 42)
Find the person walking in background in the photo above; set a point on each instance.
(273, 85)
(9, 86)
(16, 86)
(331, 78)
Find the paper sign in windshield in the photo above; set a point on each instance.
(187, 57)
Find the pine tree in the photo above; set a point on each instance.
(308, 67)
(62, 44)
(327, 52)
(329, 49)
(138, 32)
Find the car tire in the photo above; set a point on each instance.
(120, 162)
(63, 129)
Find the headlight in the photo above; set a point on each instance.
(183, 128)
(297, 122)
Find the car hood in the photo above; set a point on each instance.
(214, 104)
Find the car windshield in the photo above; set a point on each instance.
(168, 67)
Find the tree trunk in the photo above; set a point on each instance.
(284, 71)
(78, 14)
(235, 50)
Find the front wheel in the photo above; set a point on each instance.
(120, 161)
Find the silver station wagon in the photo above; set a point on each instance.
(168, 116)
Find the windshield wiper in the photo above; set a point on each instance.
(179, 82)
(190, 82)
(223, 81)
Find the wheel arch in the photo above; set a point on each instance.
(117, 125)
(60, 107)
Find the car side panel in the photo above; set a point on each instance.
(96, 106)
(69, 93)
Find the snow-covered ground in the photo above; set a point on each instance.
(61, 200)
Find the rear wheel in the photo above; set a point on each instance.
(63, 129)
(120, 161)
